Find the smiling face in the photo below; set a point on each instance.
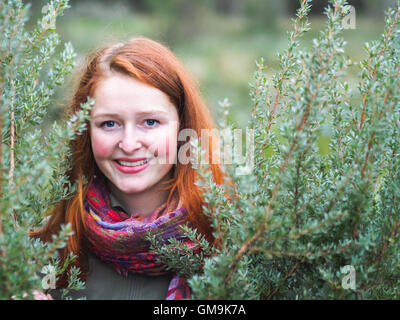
(133, 133)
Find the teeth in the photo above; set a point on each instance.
(132, 164)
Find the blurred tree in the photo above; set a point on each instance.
(180, 18)
(377, 8)
(264, 14)
(138, 5)
(230, 6)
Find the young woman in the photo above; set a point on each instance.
(130, 179)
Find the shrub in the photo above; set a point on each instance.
(33, 164)
(303, 224)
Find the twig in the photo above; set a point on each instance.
(12, 148)
(243, 249)
(278, 92)
(289, 274)
(12, 137)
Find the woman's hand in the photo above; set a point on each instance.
(40, 295)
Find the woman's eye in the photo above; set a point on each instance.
(108, 124)
(151, 122)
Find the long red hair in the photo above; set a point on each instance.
(155, 65)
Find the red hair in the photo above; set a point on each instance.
(155, 65)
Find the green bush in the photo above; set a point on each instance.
(33, 165)
(304, 224)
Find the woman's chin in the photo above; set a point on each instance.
(131, 189)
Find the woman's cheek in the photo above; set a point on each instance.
(101, 147)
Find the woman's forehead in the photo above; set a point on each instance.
(118, 93)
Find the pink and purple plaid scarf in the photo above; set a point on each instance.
(118, 238)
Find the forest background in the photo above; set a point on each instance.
(219, 41)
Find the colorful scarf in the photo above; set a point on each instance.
(118, 238)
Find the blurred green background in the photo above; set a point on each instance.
(217, 40)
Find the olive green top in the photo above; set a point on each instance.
(104, 283)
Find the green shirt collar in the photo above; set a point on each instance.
(116, 205)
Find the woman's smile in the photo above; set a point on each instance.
(131, 166)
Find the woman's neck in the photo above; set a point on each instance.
(144, 203)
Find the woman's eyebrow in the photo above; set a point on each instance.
(140, 113)
(152, 112)
(106, 114)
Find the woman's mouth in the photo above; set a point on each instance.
(132, 163)
(131, 166)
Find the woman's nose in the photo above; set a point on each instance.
(131, 141)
